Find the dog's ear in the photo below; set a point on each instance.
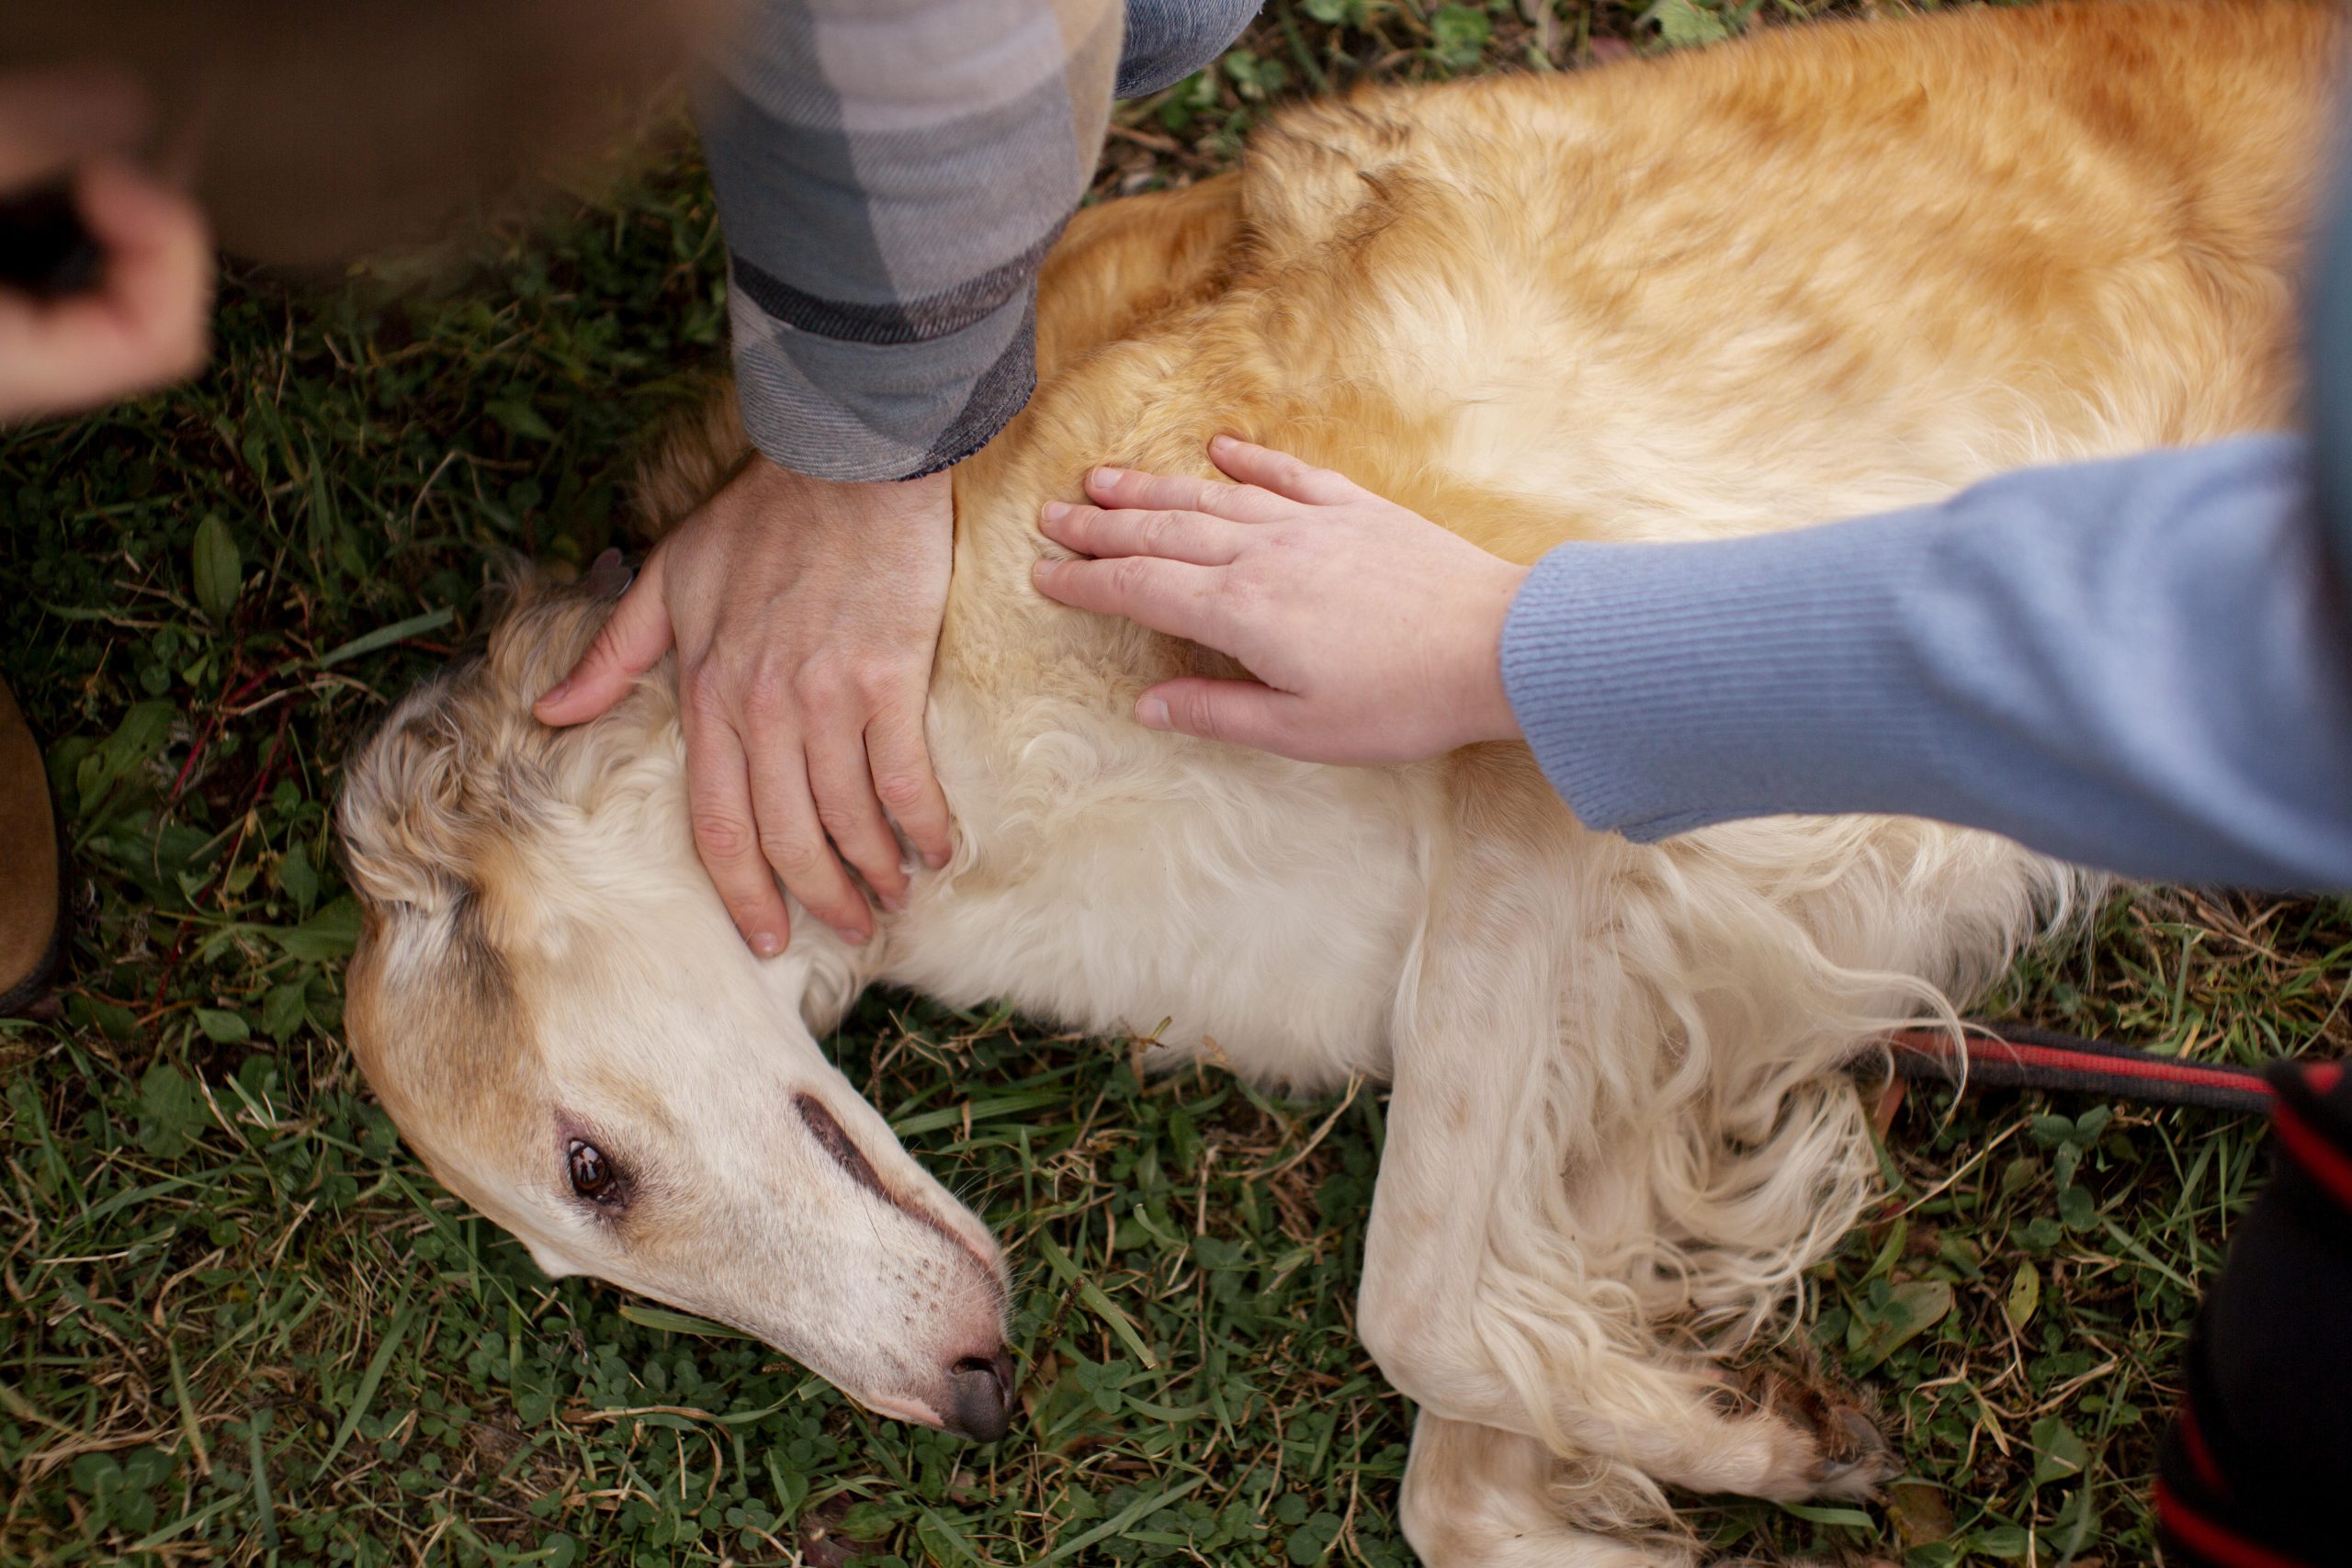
(461, 768)
(461, 772)
(408, 828)
(536, 638)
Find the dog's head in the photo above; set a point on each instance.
(551, 1002)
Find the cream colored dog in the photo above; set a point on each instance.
(1832, 270)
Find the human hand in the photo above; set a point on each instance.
(143, 323)
(804, 614)
(1374, 635)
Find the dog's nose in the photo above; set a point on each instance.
(980, 1396)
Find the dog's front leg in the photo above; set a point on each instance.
(1475, 1301)
(1464, 1056)
(1477, 1498)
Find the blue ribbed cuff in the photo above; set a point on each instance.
(1665, 687)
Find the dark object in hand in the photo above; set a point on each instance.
(44, 250)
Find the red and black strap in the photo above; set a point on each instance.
(2014, 1056)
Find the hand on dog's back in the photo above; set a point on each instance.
(1374, 634)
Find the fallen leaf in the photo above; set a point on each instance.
(1916, 1307)
(1919, 1513)
(2025, 1295)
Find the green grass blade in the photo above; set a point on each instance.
(1121, 1520)
(369, 1383)
(384, 636)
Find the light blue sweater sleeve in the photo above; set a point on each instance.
(2143, 664)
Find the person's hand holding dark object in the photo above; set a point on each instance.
(120, 308)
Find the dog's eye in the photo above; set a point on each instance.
(593, 1176)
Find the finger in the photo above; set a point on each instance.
(60, 358)
(1167, 596)
(633, 639)
(158, 263)
(1243, 713)
(1281, 473)
(1125, 488)
(904, 783)
(54, 118)
(792, 841)
(1173, 536)
(853, 817)
(718, 802)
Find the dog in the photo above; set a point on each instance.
(1825, 271)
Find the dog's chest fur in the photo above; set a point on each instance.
(1149, 885)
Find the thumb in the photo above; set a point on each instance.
(632, 641)
(1241, 712)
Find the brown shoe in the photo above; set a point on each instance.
(30, 926)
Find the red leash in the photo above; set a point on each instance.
(2014, 1056)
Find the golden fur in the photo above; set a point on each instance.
(1827, 271)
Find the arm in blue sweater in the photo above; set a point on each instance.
(2143, 664)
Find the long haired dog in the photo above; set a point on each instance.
(1833, 270)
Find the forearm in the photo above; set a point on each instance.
(2142, 664)
(889, 179)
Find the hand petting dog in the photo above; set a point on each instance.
(804, 614)
(1374, 635)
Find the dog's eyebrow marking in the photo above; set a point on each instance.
(837, 1144)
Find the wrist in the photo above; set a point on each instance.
(789, 498)
(1486, 713)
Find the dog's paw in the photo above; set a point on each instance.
(1845, 1454)
(1855, 1456)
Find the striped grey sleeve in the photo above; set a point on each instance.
(889, 175)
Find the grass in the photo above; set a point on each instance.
(238, 1322)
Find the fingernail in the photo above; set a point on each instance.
(1221, 443)
(855, 937)
(1109, 476)
(894, 902)
(606, 557)
(1152, 713)
(767, 944)
(934, 858)
(554, 694)
(1055, 511)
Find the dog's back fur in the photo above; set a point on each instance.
(1825, 272)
